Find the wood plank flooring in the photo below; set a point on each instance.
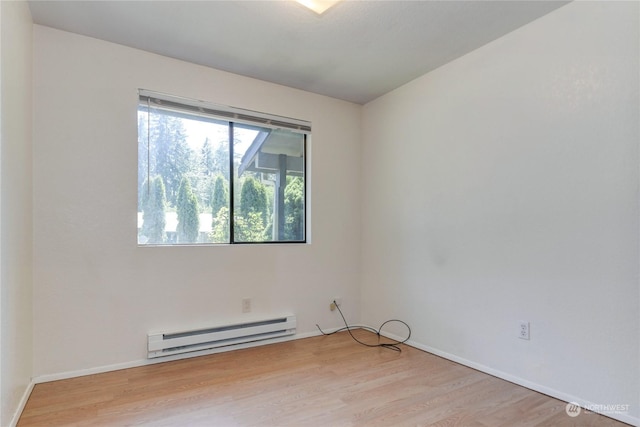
(321, 381)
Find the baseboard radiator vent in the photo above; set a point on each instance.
(166, 344)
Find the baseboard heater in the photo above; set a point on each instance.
(166, 344)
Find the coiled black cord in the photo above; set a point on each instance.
(392, 345)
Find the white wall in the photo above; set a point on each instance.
(96, 293)
(504, 187)
(15, 207)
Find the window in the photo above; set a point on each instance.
(210, 174)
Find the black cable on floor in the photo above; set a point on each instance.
(392, 346)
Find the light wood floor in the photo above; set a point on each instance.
(321, 381)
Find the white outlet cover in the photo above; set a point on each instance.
(523, 332)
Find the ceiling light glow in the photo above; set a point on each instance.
(318, 6)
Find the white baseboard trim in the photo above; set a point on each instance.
(144, 362)
(565, 397)
(21, 404)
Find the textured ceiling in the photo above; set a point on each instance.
(356, 51)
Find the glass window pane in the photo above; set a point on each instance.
(183, 178)
(269, 189)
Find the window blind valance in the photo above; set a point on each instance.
(233, 114)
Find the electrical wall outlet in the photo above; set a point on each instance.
(334, 302)
(523, 331)
(246, 305)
